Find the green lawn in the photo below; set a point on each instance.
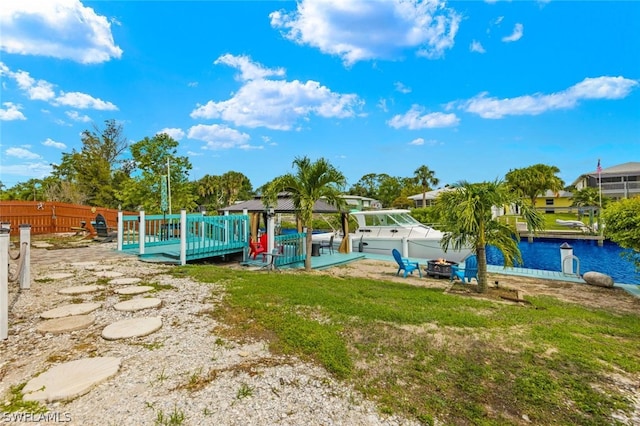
(428, 355)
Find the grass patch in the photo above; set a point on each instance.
(14, 402)
(433, 356)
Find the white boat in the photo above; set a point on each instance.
(380, 231)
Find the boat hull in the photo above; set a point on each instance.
(416, 248)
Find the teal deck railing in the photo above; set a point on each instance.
(198, 237)
(291, 248)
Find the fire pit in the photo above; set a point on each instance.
(439, 268)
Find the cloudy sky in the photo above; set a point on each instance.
(472, 89)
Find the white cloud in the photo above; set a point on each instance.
(219, 136)
(43, 90)
(382, 104)
(361, 30)
(84, 101)
(27, 171)
(278, 104)
(75, 116)
(515, 35)
(589, 88)
(400, 87)
(63, 29)
(36, 90)
(11, 112)
(22, 153)
(417, 141)
(50, 142)
(248, 70)
(175, 133)
(476, 46)
(415, 119)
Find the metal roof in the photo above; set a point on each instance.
(284, 205)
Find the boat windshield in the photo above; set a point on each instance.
(390, 219)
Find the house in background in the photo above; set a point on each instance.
(555, 202)
(430, 197)
(621, 181)
(361, 203)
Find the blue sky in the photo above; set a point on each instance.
(471, 89)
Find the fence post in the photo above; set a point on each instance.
(142, 228)
(4, 287)
(25, 239)
(183, 237)
(120, 230)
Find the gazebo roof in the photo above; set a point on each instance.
(284, 205)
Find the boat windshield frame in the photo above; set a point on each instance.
(395, 219)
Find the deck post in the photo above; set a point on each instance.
(4, 284)
(120, 230)
(271, 229)
(405, 247)
(25, 241)
(183, 237)
(245, 234)
(142, 227)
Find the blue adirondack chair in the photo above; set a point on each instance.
(405, 265)
(469, 271)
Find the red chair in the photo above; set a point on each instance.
(255, 248)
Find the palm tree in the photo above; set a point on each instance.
(466, 218)
(312, 181)
(534, 180)
(425, 177)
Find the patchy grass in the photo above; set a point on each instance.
(428, 355)
(16, 404)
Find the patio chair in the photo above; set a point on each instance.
(257, 247)
(469, 272)
(327, 244)
(104, 232)
(405, 264)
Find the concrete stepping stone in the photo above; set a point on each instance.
(41, 244)
(127, 281)
(71, 379)
(66, 324)
(134, 289)
(138, 304)
(107, 274)
(80, 289)
(133, 327)
(96, 267)
(85, 265)
(70, 310)
(58, 276)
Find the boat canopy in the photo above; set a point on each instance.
(385, 218)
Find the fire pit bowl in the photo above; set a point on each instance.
(439, 268)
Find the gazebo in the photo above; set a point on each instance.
(284, 205)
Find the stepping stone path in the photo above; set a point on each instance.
(96, 267)
(134, 327)
(70, 310)
(127, 281)
(58, 276)
(66, 324)
(135, 289)
(71, 379)
(86, 265)
(80, 289)
(41, 244)
(108, 274)
(137, 304)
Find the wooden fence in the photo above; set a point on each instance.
(51, 217)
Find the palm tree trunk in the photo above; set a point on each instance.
(307, 259)
(481, 252)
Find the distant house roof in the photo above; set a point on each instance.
(555, 194)
(430, 195)
(631, 168)
(284, 205)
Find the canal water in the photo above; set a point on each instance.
(544, 253)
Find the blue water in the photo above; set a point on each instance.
(545, 254)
